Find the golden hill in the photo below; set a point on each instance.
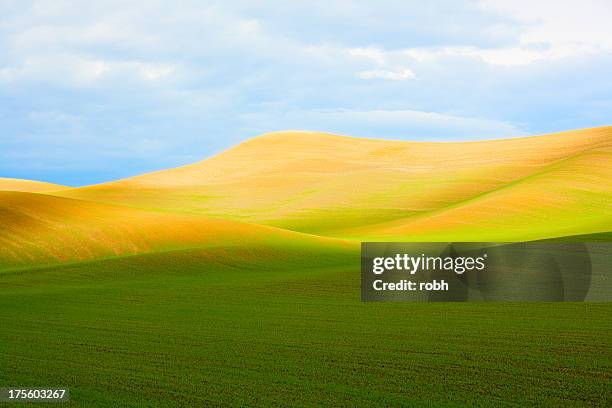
(29, 186)
(512, 189)
(41, 229)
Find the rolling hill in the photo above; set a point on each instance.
(306, 188)
(38, 229)
(512, 189)
(29, 186)
(178, 288)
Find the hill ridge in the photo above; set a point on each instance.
(29, 186)
(38, 229)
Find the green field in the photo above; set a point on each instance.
(180, 328)
(236, 280)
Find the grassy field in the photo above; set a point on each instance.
(365, 189)
(235, 280)
(39, 229)
(184, 327)
(31, 186)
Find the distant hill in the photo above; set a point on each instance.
(30, 186)
(513, 189)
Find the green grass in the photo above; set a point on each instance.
(195, 328)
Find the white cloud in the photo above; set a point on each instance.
(153, 72)
(402, 74)
(550, 30)
(510, 56)
(371, 53)
(76, 70)
(557, 28)
(190, 77)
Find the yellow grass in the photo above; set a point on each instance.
(520, 188)
(39, 229)
(12, 184)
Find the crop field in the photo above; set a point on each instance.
(182, 328)
(236, 280)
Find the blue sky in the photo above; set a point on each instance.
(95, 92)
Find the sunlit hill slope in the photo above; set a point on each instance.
(235, 281)
(304, 189)
(30, 186)
(38, 229)
(513, 189)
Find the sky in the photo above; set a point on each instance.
(96, 91)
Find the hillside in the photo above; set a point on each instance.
(130, 292)
(29, 186)
(533, 187)
(39, 229)
(570, 197)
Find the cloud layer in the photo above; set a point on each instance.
(92, 92)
